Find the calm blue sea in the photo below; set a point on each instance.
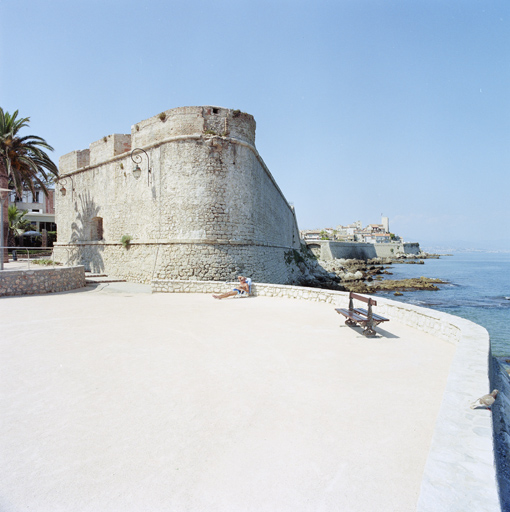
(478, 289)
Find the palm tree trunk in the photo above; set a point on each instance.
(4, 182)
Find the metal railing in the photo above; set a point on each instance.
(17, 254)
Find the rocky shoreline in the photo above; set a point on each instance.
(366, 276)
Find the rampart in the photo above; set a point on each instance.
(328, 249)
(208, 210)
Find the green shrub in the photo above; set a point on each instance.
(43, 261)
(125, 241)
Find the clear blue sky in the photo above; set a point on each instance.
(363, 107)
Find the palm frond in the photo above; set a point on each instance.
(24, 159)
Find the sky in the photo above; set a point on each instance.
(364, 108)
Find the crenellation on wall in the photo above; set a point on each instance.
(194, 121)
(165, 125)
(108, 147)
(74, 160)
(121, 143)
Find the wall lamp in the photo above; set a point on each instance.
(63, 190)
(137, 159)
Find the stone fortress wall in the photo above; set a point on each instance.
(209, 209)
(329, 249)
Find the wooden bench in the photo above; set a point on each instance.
(364, 317)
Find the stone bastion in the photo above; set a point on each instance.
(209, 209)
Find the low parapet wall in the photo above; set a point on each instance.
(460, 472)
(41, 280)
(427, 320)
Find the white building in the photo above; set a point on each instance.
(40, 208)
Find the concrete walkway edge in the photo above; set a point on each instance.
(460, 471)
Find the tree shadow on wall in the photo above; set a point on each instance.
(83, 230)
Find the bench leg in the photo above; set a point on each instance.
(369, 331)
(350, 322)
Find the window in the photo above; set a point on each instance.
(48, 226)
(96, 229)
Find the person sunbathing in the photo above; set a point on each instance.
(244, 288)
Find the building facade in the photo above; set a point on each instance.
(39, 207)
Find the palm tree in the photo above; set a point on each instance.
(24, 163)
(17, 224)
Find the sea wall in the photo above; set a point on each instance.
(208, 209)
(501, 426)
(328, 249)
(41, 280)
(411, 248)
(460, 469)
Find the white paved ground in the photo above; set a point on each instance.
(127, 401)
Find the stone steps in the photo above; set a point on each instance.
(101, 278)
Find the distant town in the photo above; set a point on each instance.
(355, 232)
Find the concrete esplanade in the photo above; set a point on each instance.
(209, 209)
(117, 399)
(128, 400)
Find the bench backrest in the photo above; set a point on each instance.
(368, 300)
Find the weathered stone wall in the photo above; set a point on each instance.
(328, 249)
(208, 210)
(144, 261)
(75, 160)
(41, 280)
(185, 121)
(108, 146)
(412, 248)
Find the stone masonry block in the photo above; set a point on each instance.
(74, 160)
(108, 147)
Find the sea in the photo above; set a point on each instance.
(477, 287)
